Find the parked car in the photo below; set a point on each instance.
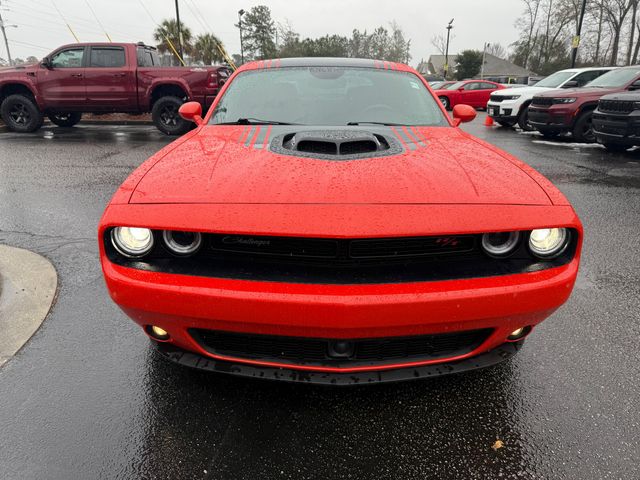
(616, 121)
(309, 232)
(102, 78)
(571, 110)
(509, 107)
(441, 85)
(468, 92)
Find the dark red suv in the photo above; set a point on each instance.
(560, 111)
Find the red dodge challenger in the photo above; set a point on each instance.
(328, 222)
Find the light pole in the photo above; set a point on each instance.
(179, 31)
(484, 53)
(576, 39)
(446, 53)
(4, 34)
(240, 13)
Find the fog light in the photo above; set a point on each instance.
(548, 242)
(158, 333)
(519, 333)
(132, 242)
(341, 349)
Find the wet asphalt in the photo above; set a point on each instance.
(86, 397)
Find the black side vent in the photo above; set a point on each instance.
(336, 144)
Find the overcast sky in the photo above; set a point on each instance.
(41, 28)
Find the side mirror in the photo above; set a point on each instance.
(635, 85)
(191, 111)
(571, 84)
(46, 63)
(461, 89)
(463, 114)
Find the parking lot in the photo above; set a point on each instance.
(87, 398)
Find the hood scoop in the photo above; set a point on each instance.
(336, 144)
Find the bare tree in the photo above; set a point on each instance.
(497, 50)
(440, 43)
(615, 13)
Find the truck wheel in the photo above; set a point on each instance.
(166, 118)
(445, 102)
(65, 119)
(523, 120)
(616, 147)
(583, 129)
(21, 114)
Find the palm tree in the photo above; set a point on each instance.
(206, 49)
(168, 29)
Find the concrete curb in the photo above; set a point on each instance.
(28, 284)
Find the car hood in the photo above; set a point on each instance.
(523, 91)
(582, 93)
(20, 69)
(435, 165)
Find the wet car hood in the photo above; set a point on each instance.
(19, 69)
(436, 165)
(581, 93)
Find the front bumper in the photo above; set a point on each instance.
(623, 129)
(193, 360)
(553, 118)
(505, 110)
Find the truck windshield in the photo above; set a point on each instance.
(616, 78)
(555, 80)
(328, 96)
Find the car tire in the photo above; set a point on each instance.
(506, 123)
(166, 118)
(66, 120)
(523, 120)
(445, 102)
(583, 129)
(616, 147)
(21, 114)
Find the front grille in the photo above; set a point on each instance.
(337, 261)
(542, 101)
(316, 351)
(496, 98)
(616, 106)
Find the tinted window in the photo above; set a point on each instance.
(70, 58)
(486, 86)
(455, 86)
(473, 86)
(585, 77)
(329, 96)
(147, 57)
(616, 78)
(555, 80)
(107, 57)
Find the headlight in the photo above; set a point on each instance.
(132, 241)
(501, 243)
(182, 243)
(564, 100)
(510, 97)
(548, 242)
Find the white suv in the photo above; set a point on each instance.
(510, 106)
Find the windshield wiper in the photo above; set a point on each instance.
(389, 124)
(256, 121)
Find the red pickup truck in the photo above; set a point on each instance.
(103, 78)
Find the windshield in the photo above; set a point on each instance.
(328, 96)
(454, 86)
(555, 80)
(616, 78)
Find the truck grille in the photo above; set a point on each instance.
(616, 106)
(496, 98)
(318, 351)
(542, 101)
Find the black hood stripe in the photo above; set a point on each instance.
(405, 139)
(252, 131)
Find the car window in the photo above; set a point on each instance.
(69, 58)
(329, 96)
(107, 57)
(455, 86)
(556, 79)
(147, 57)
(585, 77)
(616, 78)
(486, 85)
(472, 86)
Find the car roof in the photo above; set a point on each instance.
(326, 62)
